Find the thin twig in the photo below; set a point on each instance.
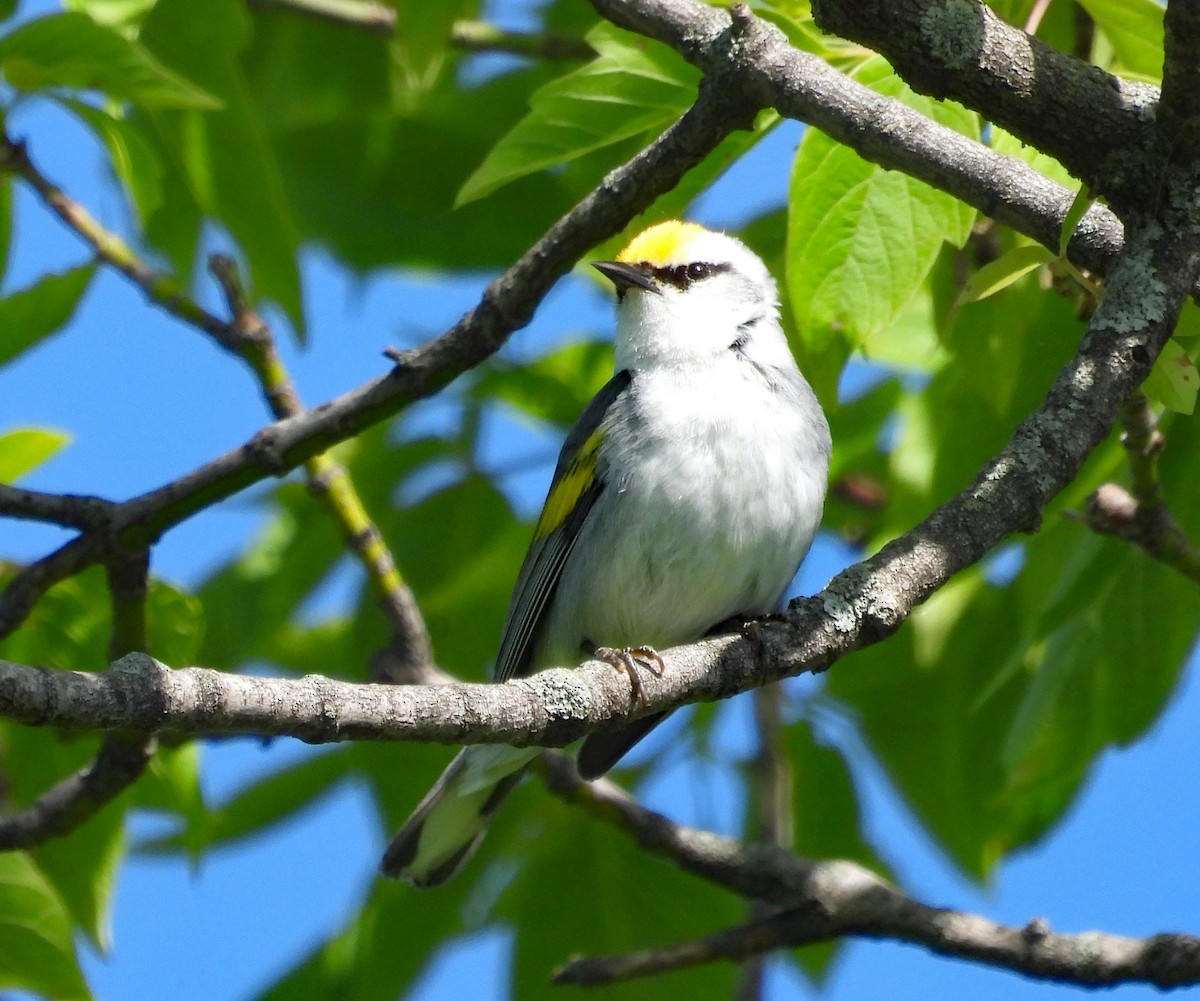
(366, 14)
(330, 483)
(480, 36)
(1141, 515)
(770, 785)
(160, 288)
(123, 755)
(468, 35)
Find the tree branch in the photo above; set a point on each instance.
(469, 35)
(329, 482)
(69, 510)
(160, 288)
(368, 14)
(1142, 516)
(832, 899)
(960, 49)
(479, 36)
(880, 129)
(123, 756)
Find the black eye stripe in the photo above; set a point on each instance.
(683, 275)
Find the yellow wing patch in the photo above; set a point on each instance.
(568, 488)
(662, 244)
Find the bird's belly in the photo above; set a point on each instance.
(692, 529)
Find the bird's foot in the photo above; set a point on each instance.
(628, 659)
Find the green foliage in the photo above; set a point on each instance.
(39, 954)
(25, 449)
(986, 712)
(73, 51)
(862, 239)
(42, 309)
(629, 91)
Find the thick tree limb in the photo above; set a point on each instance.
(961, 49)
(880, 129)
(833, 899)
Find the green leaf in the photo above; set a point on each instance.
(83, 868)
(999, 274)
(917, 702)
(1100, 661)
(171, 784)
(26, 449)
(39, 310)
(175, 624)
(628, 91)
(39, 952)
(1079, 206)
(1135, 30)
(633, 902)
(862, 239)
(1174, 380)
(72, 50)
(263, 803)
(1188, 324)
(231, 171)
(124, 15)
(555, 388)
(134, 159)
(821, 775)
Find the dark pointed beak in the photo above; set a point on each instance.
(626, 276)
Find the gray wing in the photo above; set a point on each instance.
(542, 569)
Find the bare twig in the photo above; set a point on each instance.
(822, 900)
(469, 35)
(160, 288)
(122, 757)
(69, 510)
(1141, 516)
(770, 786)
(329, 482)
(480, 36)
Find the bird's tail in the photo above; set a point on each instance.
(450, 822)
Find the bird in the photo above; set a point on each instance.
(686, 495)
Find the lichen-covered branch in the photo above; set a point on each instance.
(961, 49)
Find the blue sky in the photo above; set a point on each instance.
(1124, 860)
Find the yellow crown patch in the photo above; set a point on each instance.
(662, 243)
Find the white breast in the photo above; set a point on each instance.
(714, 490)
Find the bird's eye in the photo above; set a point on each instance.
(697, 271)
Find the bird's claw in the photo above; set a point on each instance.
(627, 659)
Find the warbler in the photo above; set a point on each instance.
(686, 494)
